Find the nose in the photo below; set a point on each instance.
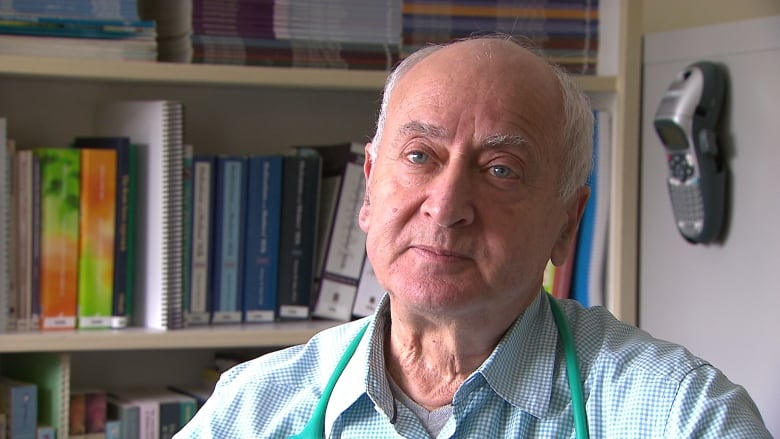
(449, 199)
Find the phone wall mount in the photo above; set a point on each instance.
(686, 122)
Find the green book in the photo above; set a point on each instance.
(60, 171)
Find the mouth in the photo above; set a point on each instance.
(440, 253)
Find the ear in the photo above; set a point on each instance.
(575, 206)
(365, 209)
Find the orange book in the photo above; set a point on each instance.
(96, 237)
(60, 187)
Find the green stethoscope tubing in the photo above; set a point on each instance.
(315, 428)
(572, 370)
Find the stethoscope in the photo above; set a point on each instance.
(315, 428)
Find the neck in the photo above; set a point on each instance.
(430, 358)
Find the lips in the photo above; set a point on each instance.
(441, 252)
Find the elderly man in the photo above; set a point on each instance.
(475, 179)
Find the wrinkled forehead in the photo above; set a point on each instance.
(499, 82)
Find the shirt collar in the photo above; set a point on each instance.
(365, 372)
(520, 369)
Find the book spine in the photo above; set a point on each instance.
(346, 247)
(369, 292)
(170, 415)
(19, 301)
(77, 425)
(228, 242)
(301, 178)
(122, 276)
(60, 192)
(19, 401)
(186, 229)
(97, 238)
(263, 208)
(202, 218)
(35, 269)
(6, 208)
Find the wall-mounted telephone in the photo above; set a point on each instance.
(686, 122)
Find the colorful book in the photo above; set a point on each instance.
(298, 237)
(156, 128)
(19, 401)
(124, 223)
(199, 301)
(346, 244)
(229, 211)
(589, 268)
(263, 223)
(60, 193)
(97, 237)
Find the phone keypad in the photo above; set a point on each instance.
(688, 205)
(680, 166)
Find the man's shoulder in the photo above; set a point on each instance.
(607, 342)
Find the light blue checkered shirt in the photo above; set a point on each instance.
(635, 386)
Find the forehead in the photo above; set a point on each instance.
(495, 86)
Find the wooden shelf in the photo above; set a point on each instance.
(205, 337)
(219, 75)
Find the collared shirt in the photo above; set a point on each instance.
(635, 387)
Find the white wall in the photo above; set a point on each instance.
(722, 301)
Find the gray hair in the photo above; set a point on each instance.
(577, 123)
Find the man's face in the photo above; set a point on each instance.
(463, 209)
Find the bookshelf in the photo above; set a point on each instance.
(238, 109)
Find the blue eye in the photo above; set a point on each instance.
(417, 157)
(500, 171)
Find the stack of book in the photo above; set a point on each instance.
(352, 34)
(76, 29)
(565, 32)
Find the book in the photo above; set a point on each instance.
(126, 413)
(346, 243)
(199, 302)
(263, 223)
(6, 207)
(77, 423)
(97, 233)
(334, 159)
(45, 432)
(297, 241)
(186, 218)
(587, 283)
(60, 193)
(368, 292)
(229, 206)
(162, 412)
(124, 225)
(88, 413)
(51, 374)
(19, 401)
(113, 429)
(156, 128)
(20, 302)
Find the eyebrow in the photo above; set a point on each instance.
(422, 128)
(490, 142)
